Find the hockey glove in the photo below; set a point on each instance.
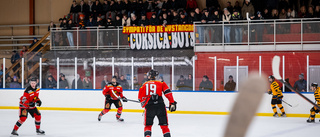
(270, 92)
(173, 106)
(124, 99)
(38, 103)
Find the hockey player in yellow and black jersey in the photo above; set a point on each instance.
(276, 97)
(314, 110)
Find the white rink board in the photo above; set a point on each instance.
(187, 101)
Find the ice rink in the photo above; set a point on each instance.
(85, 124)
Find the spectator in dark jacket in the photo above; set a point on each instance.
(79, 83)
(189, 82)
(145, 79)
(50, 83)
(118, 21)
(236, 7)
(183, 19)
(63, 84)
(87, 84)
(136, 85)
(191, 5)
(1, 83)
(52, 25)
(301, 84)
(237, 29)
(15, 58)
(191, 18)
(181, 83)
(134, 20)
(104, 82)
(214, 4)
(175, 18)
(35, 40)
(74, 10)
(206, 84)
(143, 21)
(197, 15)
(15, 83)
(154, 20)
(123, 82)
(229, 7)
(230, 85)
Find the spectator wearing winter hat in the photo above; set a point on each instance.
(51, 83)
(143, 21)
(15, 83)
(154, 20)
(301, 84)
(206, 84)
(63, 84)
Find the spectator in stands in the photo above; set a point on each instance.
(23, 51)
(63, 84)
(266, 14)
(143, 21)
(212, 4)
(83, 8)
(126, 21)
(237, 29)
(52, 25)
(149, 6)
(161, 78)
(74, 10)
(123, 82)
(206, 84)
(145, 79)
(8, 81)
(87, 84)
(258, 29)
(112, 11)
(90, 8)
(226, 17)
(15, 83)
(317, 12)
(154, 20)
(310, 13)
(217, 32)
(236, 7)
(116, 74)
(181, 83)
(91, 22)
(97, 9)
(229, 6)
(1, 83)
(175, 18)
(70, 25)
(283, 4)
(204, 31)
(272, 4)
(105, 8)
(301, 84)
(191, 18)
(197, 15)
(1, 71)
(158, 7)
(15, 59)
(51, 83)
(79, 83)
(104, 82)
(183, 19)
(191, 5)
(230, 85)
(275, 14)
(118, 21)
(136, 85)
(165, 20)
(174, 4)
(26, 82)
(134, 20)
(303, 12)
(35, 40)
(283, 14)
(291, 13)
(247, 8)
(189, 82)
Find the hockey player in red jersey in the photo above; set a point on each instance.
(27, 104)
(150, 96)
(113, 93)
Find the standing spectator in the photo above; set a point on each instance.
(15, 83)
(8, 81)
(291, 13)
(97, 9)
(74, 10)
(191, 5)
(23, 51)
(90, 9)
(166, 5)
(52, 25)
(230, 85)
(51, 83)
(14, 59)
(83, 8)
(247, 7)
(154, 20)
(283, 14)
(126, 21)
(118, 21)
(182, 19)
(63, 83)
(310, 13)
(303, 12)
(79, 83)
(105, 8)
(87, 84)
(258, 28)
(212, 4)
(275, 14)
(237, 28)
(134, 20)
(236, 7)
(181, 83)
(197, 15)
(70, 25)
(136, 85)
(191, 18)
(123, 82)
(301, 84)
(143, 21)
(189, 82)
(204, 31)
(229, 6)
(35, 40)
(206, 84)
(217, 32)
(266, 14)
(317, 12)
(226, 17)
(175, 18)
(104, 82)
(145, 79)
(91, 22)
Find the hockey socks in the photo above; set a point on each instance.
(165, 131)
(147, 131)
(19, 123)
(119, 112)
(37, 121)
(274, 108)
(102, 113)
(281, 108)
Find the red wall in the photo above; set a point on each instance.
(295, 64)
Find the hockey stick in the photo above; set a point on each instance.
(276, 74)
(136, 101)
(287, 103)
(245, 106)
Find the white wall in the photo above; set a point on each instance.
(187, 101)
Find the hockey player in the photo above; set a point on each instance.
(150, 96)
(276, 97)
(27, 104)
(113, 93)
(314, 110)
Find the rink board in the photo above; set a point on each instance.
(189, 102)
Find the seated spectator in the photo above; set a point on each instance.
(154, 20)
(230, 85)
(63, 83)
(51, 83)
(206, 84)
(247, 8)
(181, 83)
(143, 21)
(51, 26)
(15, 83)
(126, 21)
(123, 82)
(79, 83)
(301, 84)
(23, 51)
(189, 82)
(136, 85)
(104, 82)
(87, 84)
(8, 81)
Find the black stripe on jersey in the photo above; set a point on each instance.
(167, 91)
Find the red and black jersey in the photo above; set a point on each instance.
(29, 98)
(114, 91)
(153, 87)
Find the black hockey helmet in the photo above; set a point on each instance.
(272, 77)
(314, 85)
(152, 74)
(33, 79)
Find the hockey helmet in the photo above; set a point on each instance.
(33, 79)
(314, 85)
(152, 74)
(272, 77)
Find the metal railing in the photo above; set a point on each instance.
(89, 38)
(261, 33)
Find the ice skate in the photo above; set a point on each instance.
(120, 119)
(310, 121)
(40, 132)
(283, 115)
(99, 117)
(14, 133)
(276, 115)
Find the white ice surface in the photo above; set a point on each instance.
(85, 124)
